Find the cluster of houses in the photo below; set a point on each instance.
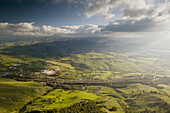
(6, 72)
(46, 72)
(49, 71)
(15, 66)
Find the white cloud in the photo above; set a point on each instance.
(104, 7)
(30, 29)
(129, 17)
(49, 30)
(19, 29)
(132, 15)
(127, 9)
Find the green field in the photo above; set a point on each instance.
(137, 88)
(59, 99)
(110, 65)
(14, 95)
(166, 88)
(151, 102)
(110, 97)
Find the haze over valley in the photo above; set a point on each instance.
(84, 56)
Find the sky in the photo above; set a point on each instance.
(85, 18)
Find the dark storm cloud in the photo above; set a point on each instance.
(130, 25)
(137, 13)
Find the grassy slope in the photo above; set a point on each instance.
(7, 61)
(32, 64)
(149, 101)
(110, 96)
(137, 88)
(109, 65)
(15, 94)
(60, 99)
(166, 88)
(90, 65)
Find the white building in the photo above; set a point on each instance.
(48, 72)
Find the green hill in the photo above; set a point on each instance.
(14, 95)
(59, 99)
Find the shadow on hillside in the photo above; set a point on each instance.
(57, 48)
(72, 46)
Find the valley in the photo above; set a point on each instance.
(73, 75)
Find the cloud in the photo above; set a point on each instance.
(117, 28)
(28, 29)
(49, 30)
(143, 25)
(102, 7)
(132, 15)
(19, 29)
(126, 9)
(129, 25)
(128, 17)
(136, 13)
